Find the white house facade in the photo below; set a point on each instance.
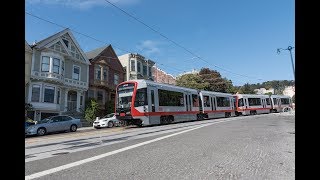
(289, 91)
(264, 91)
(59, 76)
(136, 66)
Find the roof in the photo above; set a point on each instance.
(27, 46)
(50, 38)
(103, 53)
(54, 37)
(94, 53)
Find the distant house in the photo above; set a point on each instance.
(136, 66)
(264, 91)
(59, 76)
(105, 73)
(161, 76)
(289, 91)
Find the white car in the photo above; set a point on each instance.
(109, 120)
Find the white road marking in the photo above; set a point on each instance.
(77, 163)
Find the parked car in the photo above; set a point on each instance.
(53, 124)
(109, 120)
(27, 124)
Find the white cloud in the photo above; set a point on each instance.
(149, 47)
(82, 4)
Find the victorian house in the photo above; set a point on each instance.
(59, 76)
(27, 66)
(105, 73)
(136, 66)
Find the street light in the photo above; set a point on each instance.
(289, 49)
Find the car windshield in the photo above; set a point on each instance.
(109, 115)
(43, 121)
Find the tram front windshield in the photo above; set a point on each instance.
(124, 98)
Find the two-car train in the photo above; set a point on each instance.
(144, 102)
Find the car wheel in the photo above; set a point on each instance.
(73, 128)
(41, 131)
(110, 124)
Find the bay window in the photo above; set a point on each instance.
(35, 96)
(48, 94)
(133, 65)
(62, 67)
(56, 65)
(76, 73)
(45, 64)
(98, 72)
(58, 96)
(116, 79)
(105, 74)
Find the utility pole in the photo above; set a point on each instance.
(289, 49)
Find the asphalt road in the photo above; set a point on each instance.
(250, 147)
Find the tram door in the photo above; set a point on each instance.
(153, 105)
(188, 101)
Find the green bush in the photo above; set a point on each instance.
(91, 110)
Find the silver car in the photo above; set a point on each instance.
(53, 124)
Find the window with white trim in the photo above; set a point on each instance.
(138, 66)
(45, 65)
(98, 72)
(116, 79)
(62, 67)
(150, 73)
(133, 65)
(35, 96)
(105, 74)
(144, 70)
(76, 73)
(58, 96)
(56, 65)
(48, 95)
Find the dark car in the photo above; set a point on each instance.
(53, 124)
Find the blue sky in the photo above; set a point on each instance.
(241, 37)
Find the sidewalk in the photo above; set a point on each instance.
(85, 128)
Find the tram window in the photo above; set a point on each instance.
(170, 98)
(284, 101)
(275, 101)
(268, 101)
(195, 100)
(206, 101)
(240, 102)
(223, 101)
(254, 101)
(141, 97)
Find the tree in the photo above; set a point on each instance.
(91, 110)
(246, 89)
(206, 79)
(190, 81)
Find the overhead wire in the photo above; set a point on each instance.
(103, 42)
(177, 44)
